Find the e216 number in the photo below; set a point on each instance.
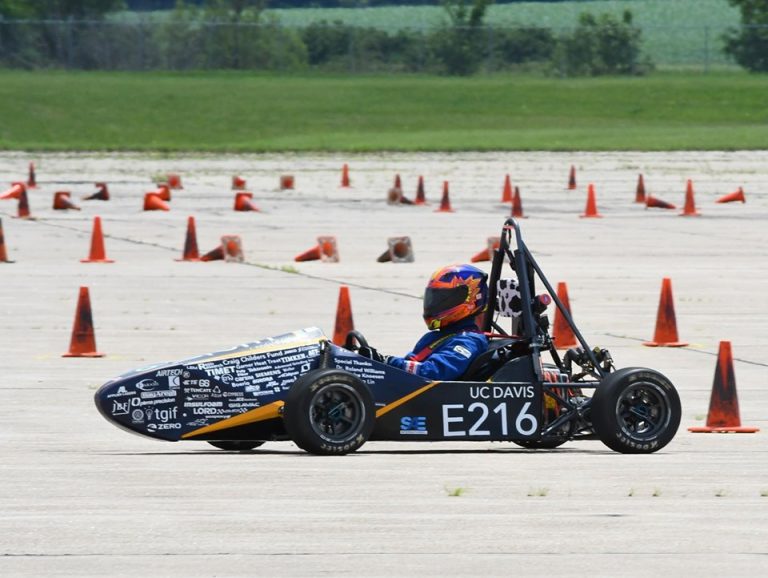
(457, 415)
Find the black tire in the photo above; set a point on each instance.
(236, 446)
(636, 411)
(329, 412)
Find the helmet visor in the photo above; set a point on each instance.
(437, 301)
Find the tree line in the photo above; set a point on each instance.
(236, 34)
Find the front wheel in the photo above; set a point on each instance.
(329, 412)
(636, 411)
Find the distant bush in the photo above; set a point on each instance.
(602, 45)
(749, 45)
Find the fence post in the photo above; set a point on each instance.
(706, 48)
(489, 40)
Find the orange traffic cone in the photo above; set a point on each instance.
(517, 205)
(445, 202)
(723, 416)
(345, 176)
(238, 183)
(83, 342)
(506, 193)
(163, 191)
(154, 203)
(286, 182)
(98, 254)
(640, 191)
(398, 183)
(572, 178)
(233, 248)
(174, 182)
(31, 182)
(102, 194)
(326, 250)
(652, 202)
(230, 249)
(14, 192)
(23, 211)
(3, 255)
(400, 250)
(243, 202)
(487, 253)
(63, 202)
(394, 196)
(191, 252)
(562, 334)
(690, 205)
(344, 323)
(666, 324)
(731, 197)
(420, 195)
(590, 211)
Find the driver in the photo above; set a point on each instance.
(454, 297)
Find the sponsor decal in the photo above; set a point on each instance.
(168, 373)
(413, 425)
(163, 426)
(137, 416)
(157, 394)
(147, 385)
(121, 392)
(463, 351)
(120, 407)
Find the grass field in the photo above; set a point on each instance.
(235, 112)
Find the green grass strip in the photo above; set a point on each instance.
(223, 112)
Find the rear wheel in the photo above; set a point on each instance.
(236, 446)
(329, 412)
(636, 411)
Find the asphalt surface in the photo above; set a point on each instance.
(79, 497)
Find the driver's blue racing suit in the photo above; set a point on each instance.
(444, 354)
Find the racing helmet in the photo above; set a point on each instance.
(454, 293)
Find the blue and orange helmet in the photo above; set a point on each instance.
(454, 293)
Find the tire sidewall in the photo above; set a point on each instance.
(604, 409)
(298, 408)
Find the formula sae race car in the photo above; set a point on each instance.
(330, 399)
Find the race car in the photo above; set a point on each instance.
(331, 399)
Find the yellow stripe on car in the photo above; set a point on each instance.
(269, 411)
(405, 398)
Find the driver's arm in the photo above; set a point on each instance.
(447, 362)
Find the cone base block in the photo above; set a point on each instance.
(671, 344)
(93, 354)
(690, 214)
(197, 259)
(96, 261)
(735, 429)
(596, 216)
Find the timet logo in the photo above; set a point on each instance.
(413, 425)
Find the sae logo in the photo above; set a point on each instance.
(413, 425)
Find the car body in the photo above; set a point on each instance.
(330, 399)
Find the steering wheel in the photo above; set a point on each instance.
(356, 342)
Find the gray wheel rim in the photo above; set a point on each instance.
(337, 412)
(643, 411)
